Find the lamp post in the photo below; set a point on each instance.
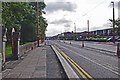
(88, 29)
(64, 35)
(113, 21)
(75, 30)
(38, 37)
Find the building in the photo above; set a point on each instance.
(80, 35)
(102, 32)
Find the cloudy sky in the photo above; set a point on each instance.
(63, 15)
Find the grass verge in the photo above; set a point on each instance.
(8, 50)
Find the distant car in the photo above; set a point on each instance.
(118, 38)
(109, 39)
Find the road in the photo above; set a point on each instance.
(98, 65)
(107, 46)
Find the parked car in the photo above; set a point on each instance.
(109, 39)
(117, 38)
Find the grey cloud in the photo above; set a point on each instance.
(91, 29)
(61, 21)
(67, 25)
(107, 25)
(53, 32)
(81, 29)
(119, 4)
(65, 6)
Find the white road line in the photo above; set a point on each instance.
(68, 69)
(90, 60)
(99, 55)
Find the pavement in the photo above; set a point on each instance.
(39, 63)
(104, 47)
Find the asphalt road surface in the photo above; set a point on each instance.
(107, 46)
(98, 65)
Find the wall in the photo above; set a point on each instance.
(26, 47)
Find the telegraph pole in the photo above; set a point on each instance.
(38, 36)
(88, 29)
(113, 21)
(64, 35)
(75, 30)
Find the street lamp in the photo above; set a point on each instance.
(75, 30)
(113, 21)
(38, 37)
(88, 29)
(64, 35)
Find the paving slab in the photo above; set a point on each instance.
(34, 65)
(39, 64)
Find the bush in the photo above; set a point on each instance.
(96, 39)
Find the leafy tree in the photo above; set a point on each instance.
(118, 26)
(23, 17)
(117, 23)
(41, 23)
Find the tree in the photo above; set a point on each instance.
(22, 16)
(117, 23)
(118, 26)
(41, 23)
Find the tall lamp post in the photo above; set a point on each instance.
(113, 21)
(64, 35)
(38, 37)
(75, 30)
(88, 29)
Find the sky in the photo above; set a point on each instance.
(63, 15)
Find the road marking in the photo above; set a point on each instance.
(116, 59)
(93, 61)
(78, 70)
(68, 69)
(108, 67)
(81, 71)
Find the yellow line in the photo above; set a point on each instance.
(78, 70)
(76, 66)
(88, 75)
